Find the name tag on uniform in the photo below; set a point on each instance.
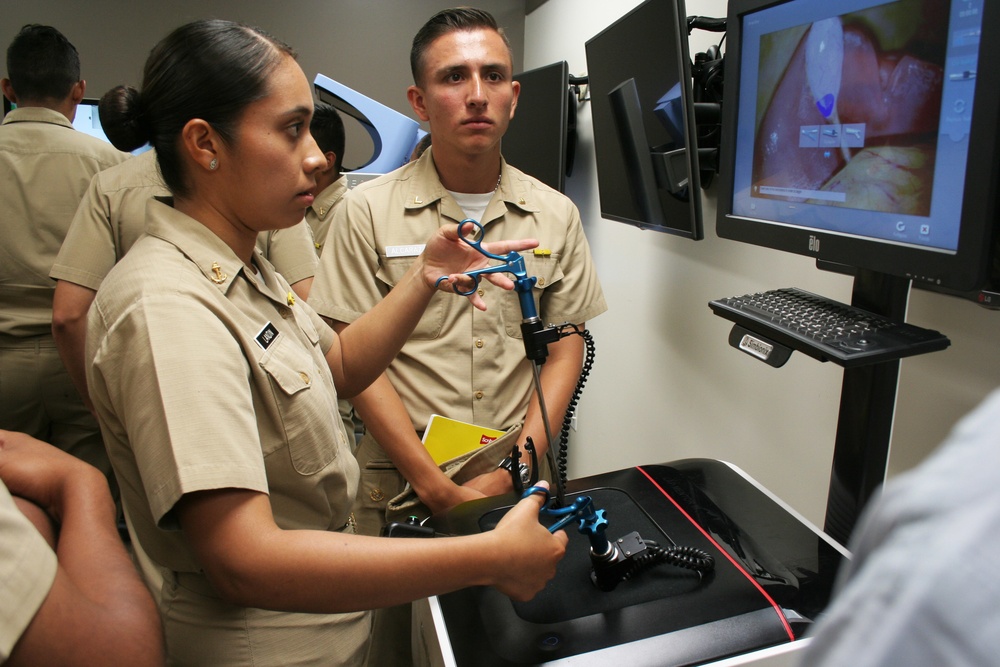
(266, 336)
(404, 250)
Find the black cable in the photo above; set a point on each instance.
(706, 23)
(688, 558)
(588, 364)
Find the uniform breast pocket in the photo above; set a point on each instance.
(390, 273)
(305, 406)
(548, 273)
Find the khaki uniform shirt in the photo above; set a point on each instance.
(459, 362)
(27, 570)
(321, 212)
(45, 168)
(205, 375)
(112, 216)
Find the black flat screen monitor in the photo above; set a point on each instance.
(645, 137)
(864, 133)
(541, 137)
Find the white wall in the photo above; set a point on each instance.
(666, 383)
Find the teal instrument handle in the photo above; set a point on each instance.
(512, 263)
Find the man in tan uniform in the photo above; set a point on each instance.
(45, 167)
(459, 362)
(327, 129)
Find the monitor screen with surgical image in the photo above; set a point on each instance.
(862, 132)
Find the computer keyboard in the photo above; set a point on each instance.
(827, 329)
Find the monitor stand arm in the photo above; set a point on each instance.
(867, 408)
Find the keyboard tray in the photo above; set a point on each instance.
(826, 329)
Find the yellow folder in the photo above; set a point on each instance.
(447, 438)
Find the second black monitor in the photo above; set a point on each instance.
(645, 137)
(542, 135)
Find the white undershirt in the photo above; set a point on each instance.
(472, 205)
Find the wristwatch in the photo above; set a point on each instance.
(522, 469)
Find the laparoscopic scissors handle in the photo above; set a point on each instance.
(512, 263)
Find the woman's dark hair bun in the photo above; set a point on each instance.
(122, 118)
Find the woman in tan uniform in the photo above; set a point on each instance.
(216, 389)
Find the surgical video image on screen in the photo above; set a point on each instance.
(865, 110)
(854, 116)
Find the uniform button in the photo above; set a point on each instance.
(481, 291)
(479, 342)
(541, 282)
(376, 495)
(479, 395)
(305, 377)
(286, 313)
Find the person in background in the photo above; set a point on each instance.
(462, 67)
(71, 595)
(464, 365)
(45, 168)
(921, 587)
(327, 129)
(216, 389)
(111, 217)
(422, 145)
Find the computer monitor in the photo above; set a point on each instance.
(645, 133)
(88, 119)
(542, 136)
(864, 133)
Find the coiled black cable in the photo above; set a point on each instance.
(688, 558)
(588, 364)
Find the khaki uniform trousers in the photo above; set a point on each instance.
(37, 397)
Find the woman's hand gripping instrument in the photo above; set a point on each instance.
(625, 558)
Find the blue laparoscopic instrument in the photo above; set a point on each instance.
(612, 561)
(535, 334)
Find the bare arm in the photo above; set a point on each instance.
(559, 375)
(385, 417)
(98, 611)
(69, 329)
(302, 287)
(252, 562)
(42, 522)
